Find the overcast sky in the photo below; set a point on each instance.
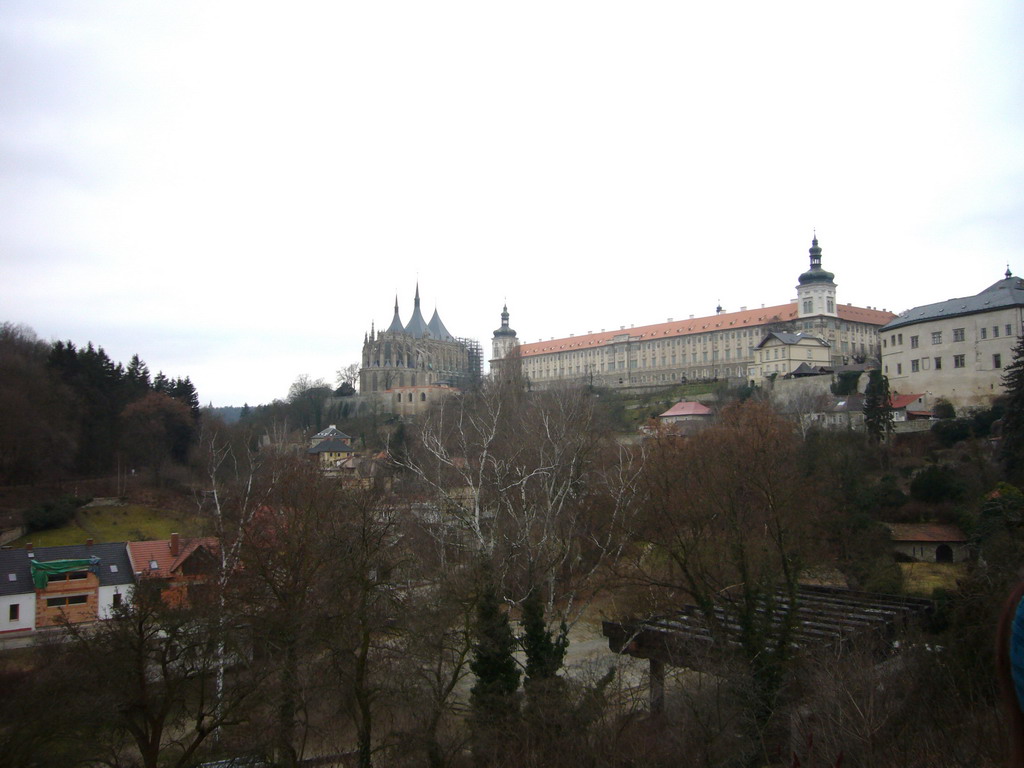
(235, 191)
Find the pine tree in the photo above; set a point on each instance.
(877, 407)
(1012, 448)
(544, 652)
(548, 713)
(494, 698)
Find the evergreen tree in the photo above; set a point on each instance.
(185, 391)
(1012, 449)
(161, 384)
(136, 379)
(494, 698)
(544, 652)
(877, 407)
(548, 713)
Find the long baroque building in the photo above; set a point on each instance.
(721, 346)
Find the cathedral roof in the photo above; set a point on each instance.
(396, 321)
(417, 326)
(437, 329)
(816, 274)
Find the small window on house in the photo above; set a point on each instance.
(1009, 330)
(915, 366)
(117, 599)
(154, 565)
(959, 361)
(995, 331)
(113, 568)
(938, 363)
(14, 612)
(958, 334)
(899, 369)
(997, 361)
(900, 338)
(936, 337)
(423, 396)
(12, 577)
(913, 342)
(984, 333)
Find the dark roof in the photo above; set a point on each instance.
(332, 445)
(396, 321)
(16, 561)
(1008, 292)
(331, 431)
(816, 274)
(417, 326)
(437, 329)
(807, 370)
(824, 616)
(791, 338)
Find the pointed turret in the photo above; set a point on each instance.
(396, 321)
(416, 327)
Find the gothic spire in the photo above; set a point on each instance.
(396, 322)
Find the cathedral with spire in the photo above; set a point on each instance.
(412, 360)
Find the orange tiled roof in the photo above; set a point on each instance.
(750, 318)
(142, 553)
(902, 401)
(686, 408)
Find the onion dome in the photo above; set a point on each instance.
(816, 274)
(504, 330)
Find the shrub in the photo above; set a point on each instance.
(936, 483)
(52, 514)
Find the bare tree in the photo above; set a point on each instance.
(348, 375)
(529, 481)
(729, 519)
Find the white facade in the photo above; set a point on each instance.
(955, 350)
(18, 612)
(721, 346)
(782, 353)
(112, 596)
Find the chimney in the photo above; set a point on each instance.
(88, 544)
(175, 542)
(29, 546)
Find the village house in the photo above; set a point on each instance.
(929, 542)
(79, 583)
(178, 566)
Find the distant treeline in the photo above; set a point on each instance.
(68, 411)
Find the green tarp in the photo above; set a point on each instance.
(41, 571)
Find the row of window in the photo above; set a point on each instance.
(14, 609)
(959, 361)
(959, 334)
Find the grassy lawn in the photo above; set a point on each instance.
(131, 522)
(923, 578)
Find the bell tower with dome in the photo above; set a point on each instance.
(816, 289)
(504, 341)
